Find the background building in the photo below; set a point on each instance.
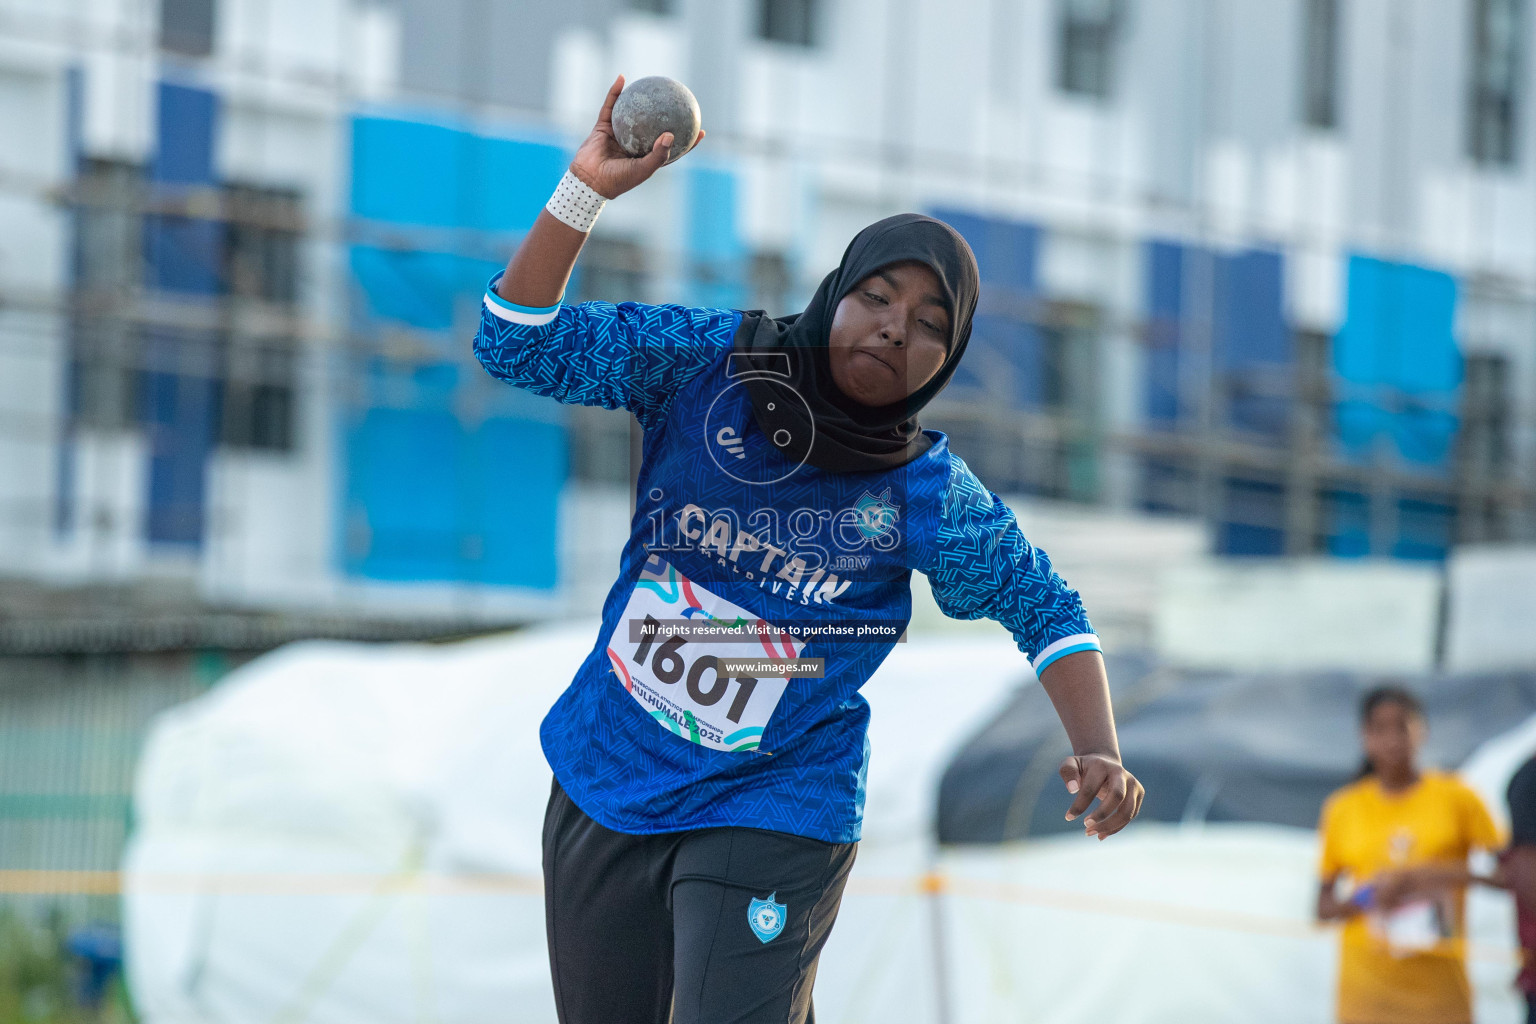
(1268, 265)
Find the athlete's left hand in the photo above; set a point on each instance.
(1101, 776)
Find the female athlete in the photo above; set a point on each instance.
(709, 756)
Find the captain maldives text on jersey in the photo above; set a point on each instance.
(793, 555)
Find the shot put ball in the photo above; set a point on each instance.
(651, 106)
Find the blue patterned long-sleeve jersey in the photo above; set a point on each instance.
(626, 356)
(665, 728)
(985, 568)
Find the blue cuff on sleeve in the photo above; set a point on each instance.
(1063, 647)
(533, 316)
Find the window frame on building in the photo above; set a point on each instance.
(1321, 48)
(788, 22)
(1088, 47)
(263, 236)
(188, 27)
(1494, 90)
(106, 347)
(260, 394)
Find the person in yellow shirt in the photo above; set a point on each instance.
(1397, 839)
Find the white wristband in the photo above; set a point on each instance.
(575, 203)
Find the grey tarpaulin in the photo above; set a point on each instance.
(1210, 747)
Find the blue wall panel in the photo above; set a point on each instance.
(180, 401)
(1424, 529)
(1250, 326)
(1166, 485)
(406, 172)
(1251, 339)
(1347, 524)
(411, 174)
(1165, 310)
(185, 140)
(417, 288)
(1419, 528)
(714, 244)
(1241, 296)
(1004, 339)
(428, 493)
(431, 499)
(180, 389)
(432, 175)
(64, 465)
(1398, 377)
(514, 470)
(183, 254)
(516, 178)
(1249, 332)
(1254, 519)
(1397, 361)
(1007, 251)
(402, 495)
(1004, 349)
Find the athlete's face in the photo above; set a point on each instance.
(1392, 737)
(889, 334)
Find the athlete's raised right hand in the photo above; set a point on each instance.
(604, 165)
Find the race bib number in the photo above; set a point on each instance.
(1417, 927)
(680, 682)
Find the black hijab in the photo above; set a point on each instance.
(828, 429)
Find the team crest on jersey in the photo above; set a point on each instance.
(876, 513)
(766, 918)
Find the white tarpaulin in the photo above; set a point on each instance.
(1208, 923)
(1271, 615)
(342, 832)
(1491, 602)
(350, 833)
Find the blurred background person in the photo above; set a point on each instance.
(1400, 836)
(1517, 866)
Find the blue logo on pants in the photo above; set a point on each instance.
(766, 917)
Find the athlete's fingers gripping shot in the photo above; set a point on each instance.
(710, 753)
(605, 166)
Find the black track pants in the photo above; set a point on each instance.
(714, 926)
